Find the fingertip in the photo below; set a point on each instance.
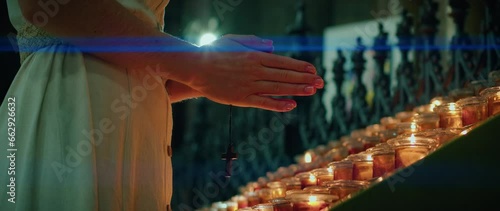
(310, 68)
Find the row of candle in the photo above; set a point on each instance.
(327, 175)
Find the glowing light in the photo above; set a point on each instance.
(330, 169)
(312, 178)
(313, 198)
(452, 107)
(413, 139)
(307, 157)
(207, 39)
(369, 157)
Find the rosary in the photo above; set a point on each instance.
(230, 155)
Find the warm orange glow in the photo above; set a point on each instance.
(312, 178)
(307, 157)
(452, 107)
(330, 169)
(369, 158)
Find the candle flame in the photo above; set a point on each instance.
(312, 178)
(369, 158)
(413, 126)
(313, 199)
(307, 157)
(452, 107)
(330, 169)
(436, 102)
(412, 138)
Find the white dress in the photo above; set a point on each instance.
(88, 135)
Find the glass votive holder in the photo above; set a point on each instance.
(307, 179)
(494, 77)
(292, 183)
(407, 127)
(450, 115)
(493, 96)
(389, 122)
(240, 200)
(441, 135)
(429, 108)
(219, 206)
(383, 161)
(409, 150)
(317, 189)
(252, 198)
(278, 192)
(405, 116)
(265, 195)
(440, 100)
(285, 172)
(385, 135)
(353, 145)
(362, 166)
(459, 94)
(290, 192)
(474, 110)
(342, 170)
(276, 184)
(369, 141)
(426, 121)
(264, 207)
(311, 201)
(282, 204)
(323, 174)
(343, 188)
(231, 206)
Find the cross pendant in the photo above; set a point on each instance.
(229, 156)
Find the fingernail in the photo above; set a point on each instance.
(309, 89)
(319, 82)
(310, 69)
(289, 106)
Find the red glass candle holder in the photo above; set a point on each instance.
(307, 179)
(353, 145)
(409, 150)
(459, 94)
(362, 166)
(241, 201)
(429, 108)
(426, 121)
(342, 170)
(383, 161)
(474, 110)
(252, 199)
(493, 96)
(292, 183)
(450, 115)
(407, 127)
(370, 141)
(323, 174)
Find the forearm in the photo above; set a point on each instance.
(179, 92)
(108, 19)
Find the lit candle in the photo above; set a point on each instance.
(383, 161)
(370, 141)
(441, 135)
(265, 195)
(450, 115)
(342, 170)
(252, 198)
(353, 145)
(323, 174)
(429, 108)
(311, 202)
(362, 166)
(292, 183)
(437, 101)
(343, 188)
(307, 179)
(493, 96)
(307, 157)
(426, 121)
(474, 110)
(409, 150)
(407, 127)
(240, 200)
(231, 206)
